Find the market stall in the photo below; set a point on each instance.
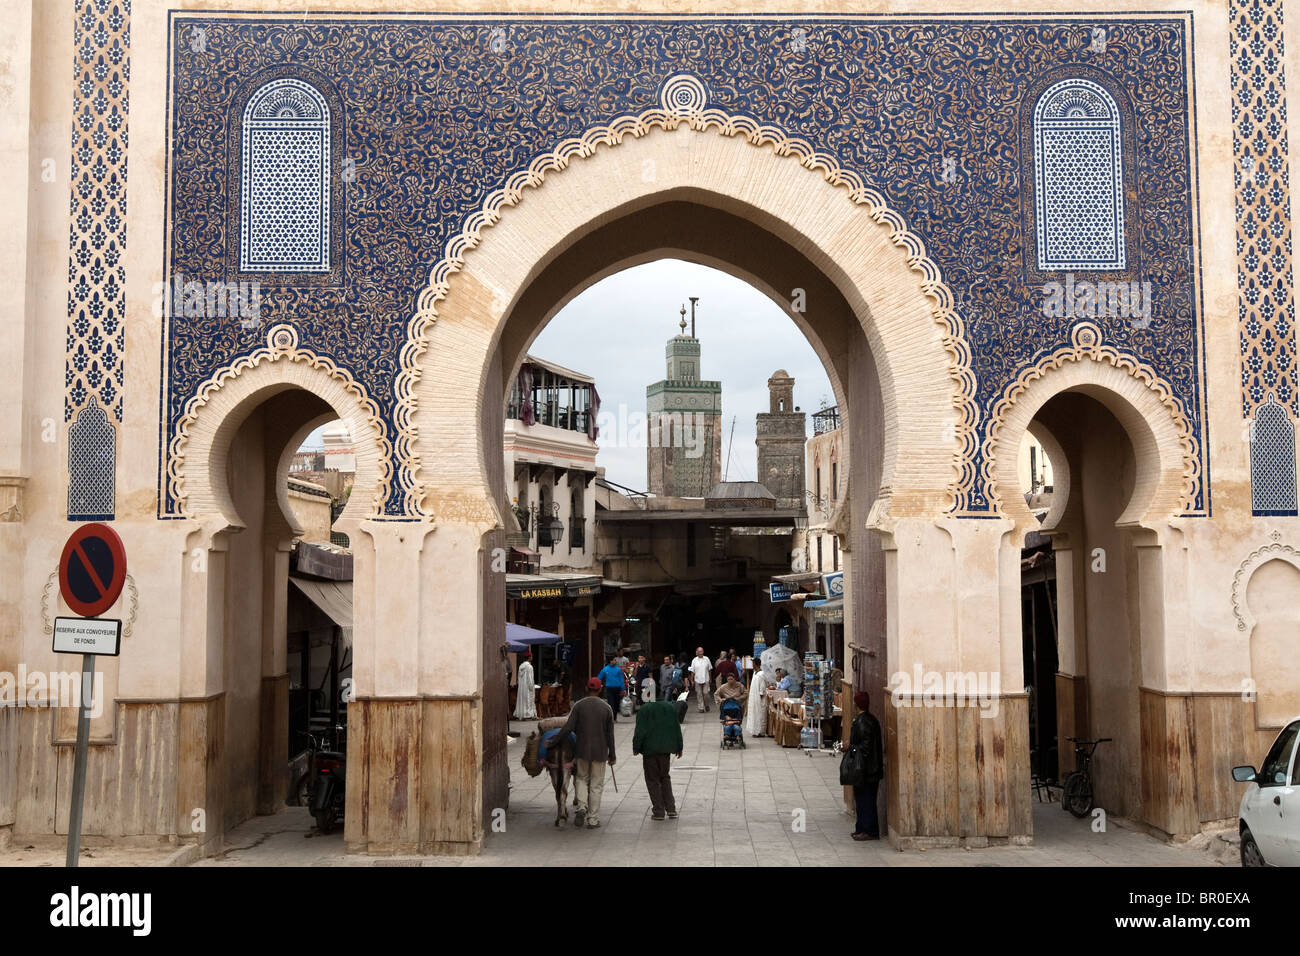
(810, 719)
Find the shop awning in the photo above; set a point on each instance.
(803, 577)
(831, 611)
(334, 598)
(520, 638)
(556, 585)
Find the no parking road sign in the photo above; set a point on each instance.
(92, 569)
(91, 574)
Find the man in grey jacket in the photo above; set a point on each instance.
(666, 678)
(593, 722)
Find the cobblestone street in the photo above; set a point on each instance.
(737, 809)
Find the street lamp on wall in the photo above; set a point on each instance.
(553, 525)
(822, 504)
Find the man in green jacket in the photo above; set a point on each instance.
(658, 734)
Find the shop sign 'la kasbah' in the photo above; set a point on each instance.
(554, 590)
(542, 592)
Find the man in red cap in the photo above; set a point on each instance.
(593, 722)
(865, 734)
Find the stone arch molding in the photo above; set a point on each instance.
(909, 316)
(213, 415)
(1246, 570)
(1062, 480)
(1167, 469)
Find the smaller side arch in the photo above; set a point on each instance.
(198, 451)
(1274, 636)
(1275, 551)
(1167, 470)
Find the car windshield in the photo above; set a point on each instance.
(1278, 760)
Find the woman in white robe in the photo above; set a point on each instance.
(756, 717)
(525, 706)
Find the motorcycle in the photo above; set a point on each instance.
(329, 782)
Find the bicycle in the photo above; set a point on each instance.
(1076, 795)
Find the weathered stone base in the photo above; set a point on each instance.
(414, 776)
(414, 785)
(900, 842)
(1190, 743)
(8, 770)
(143, 783)
(954, 776)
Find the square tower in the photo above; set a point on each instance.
(684, 414)
(781, 433)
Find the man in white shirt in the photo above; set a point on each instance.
(701, 667)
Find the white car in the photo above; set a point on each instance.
(1270, 808)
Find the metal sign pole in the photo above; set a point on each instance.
(79, 763)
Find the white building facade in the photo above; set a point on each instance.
(550, 462)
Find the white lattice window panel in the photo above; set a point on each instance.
(285, 185)
(92, 465)
(1078, 178)
(1272, 461)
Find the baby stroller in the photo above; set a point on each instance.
(731, 714)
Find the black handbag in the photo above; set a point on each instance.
(853, 768)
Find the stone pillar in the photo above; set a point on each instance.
(1071, 647)
(1167, 722)
(201, 716)
(957, 747)
(273, 770)
(414, 728)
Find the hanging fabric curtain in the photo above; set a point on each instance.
(525, 386)
(592, 431)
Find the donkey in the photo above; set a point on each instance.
(561, 764)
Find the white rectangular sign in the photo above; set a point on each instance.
(87, 635)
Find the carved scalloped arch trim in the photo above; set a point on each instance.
(282, 345)
(1086, 343)
(1246, 570)
(675, 113)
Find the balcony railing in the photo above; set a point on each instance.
(827, 420)
(544, 413)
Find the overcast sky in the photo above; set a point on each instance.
(616, 331)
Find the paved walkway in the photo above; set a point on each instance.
(737, 808)
(765, 805)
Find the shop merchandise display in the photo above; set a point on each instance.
(818, 694)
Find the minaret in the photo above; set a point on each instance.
(684, 412)
(781, 436)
